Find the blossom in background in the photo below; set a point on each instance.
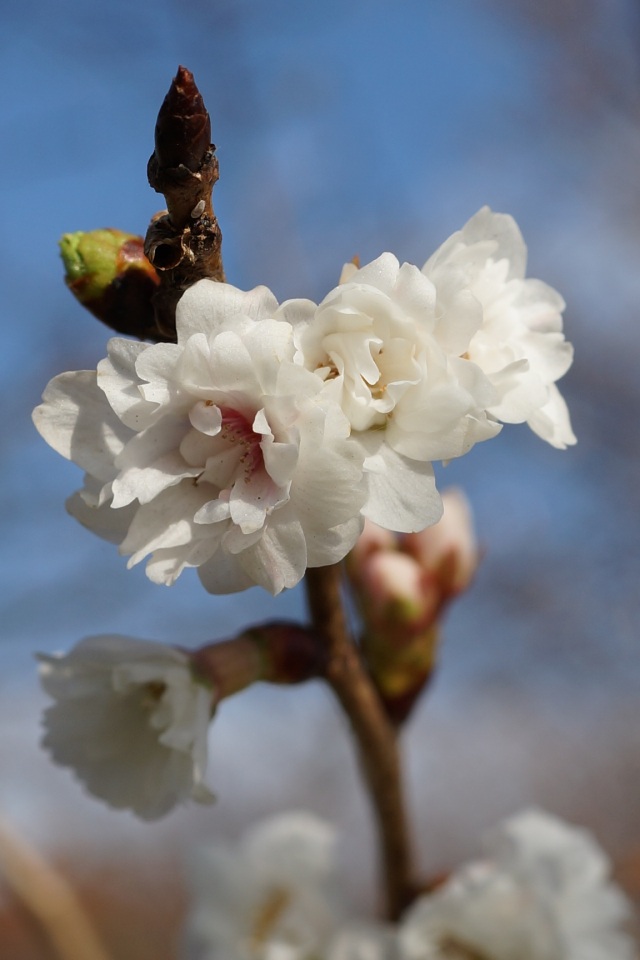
(543, 893)
(518, 341)
(272, 897)
(364, 941)
(398, 371)
(217, 452)
(130, 720)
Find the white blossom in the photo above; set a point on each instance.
(543, 893)
(398, 371)
(130, 720)
(364, 941)
(216, 452)
(518, 342)
(272, 897)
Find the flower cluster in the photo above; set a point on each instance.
(254, 446)
(542, 893)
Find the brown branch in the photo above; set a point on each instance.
(183, 243)
(373, 731)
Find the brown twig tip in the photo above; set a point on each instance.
(183, 243)
(183, 128)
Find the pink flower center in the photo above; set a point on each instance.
(236, 429)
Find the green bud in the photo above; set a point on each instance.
(108, 272)
(91, 261)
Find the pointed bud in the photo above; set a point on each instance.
(108, 272)
(183, 128)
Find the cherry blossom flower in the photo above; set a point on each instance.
(518, 342)
(273, 897)
(131, 721)
(399, 375)
(543, 893)
(217, 452)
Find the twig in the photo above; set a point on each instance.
(49, 899)
(372, 729)
(183, 244)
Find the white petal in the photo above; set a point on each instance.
(208, 306)
(100, 518)
(402, 492)
(279, 558)
(76, 420)
(552, 423)
(165, 522)
(381, 273)
(331, 546)
(118, 379)
(224, 574)
(156, 366)
(151, 462)
(234, 373)
(206, 418)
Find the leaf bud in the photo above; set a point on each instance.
(109, 274)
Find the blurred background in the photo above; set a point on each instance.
(342, 129)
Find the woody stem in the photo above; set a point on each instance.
(374, 734)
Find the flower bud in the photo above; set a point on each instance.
(108, 272)
(183, 128)
(397, 598)
(372, 539)
(402, 584)
(448, 550)
(399, 641)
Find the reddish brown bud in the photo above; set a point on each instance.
(183, 243)
(291, 653)
(183, 128)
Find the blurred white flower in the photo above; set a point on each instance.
(398, 372)
(518, 341)
(216, 452)
(365, 942)
(544, 893)
(130, 720)
(273, 897)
